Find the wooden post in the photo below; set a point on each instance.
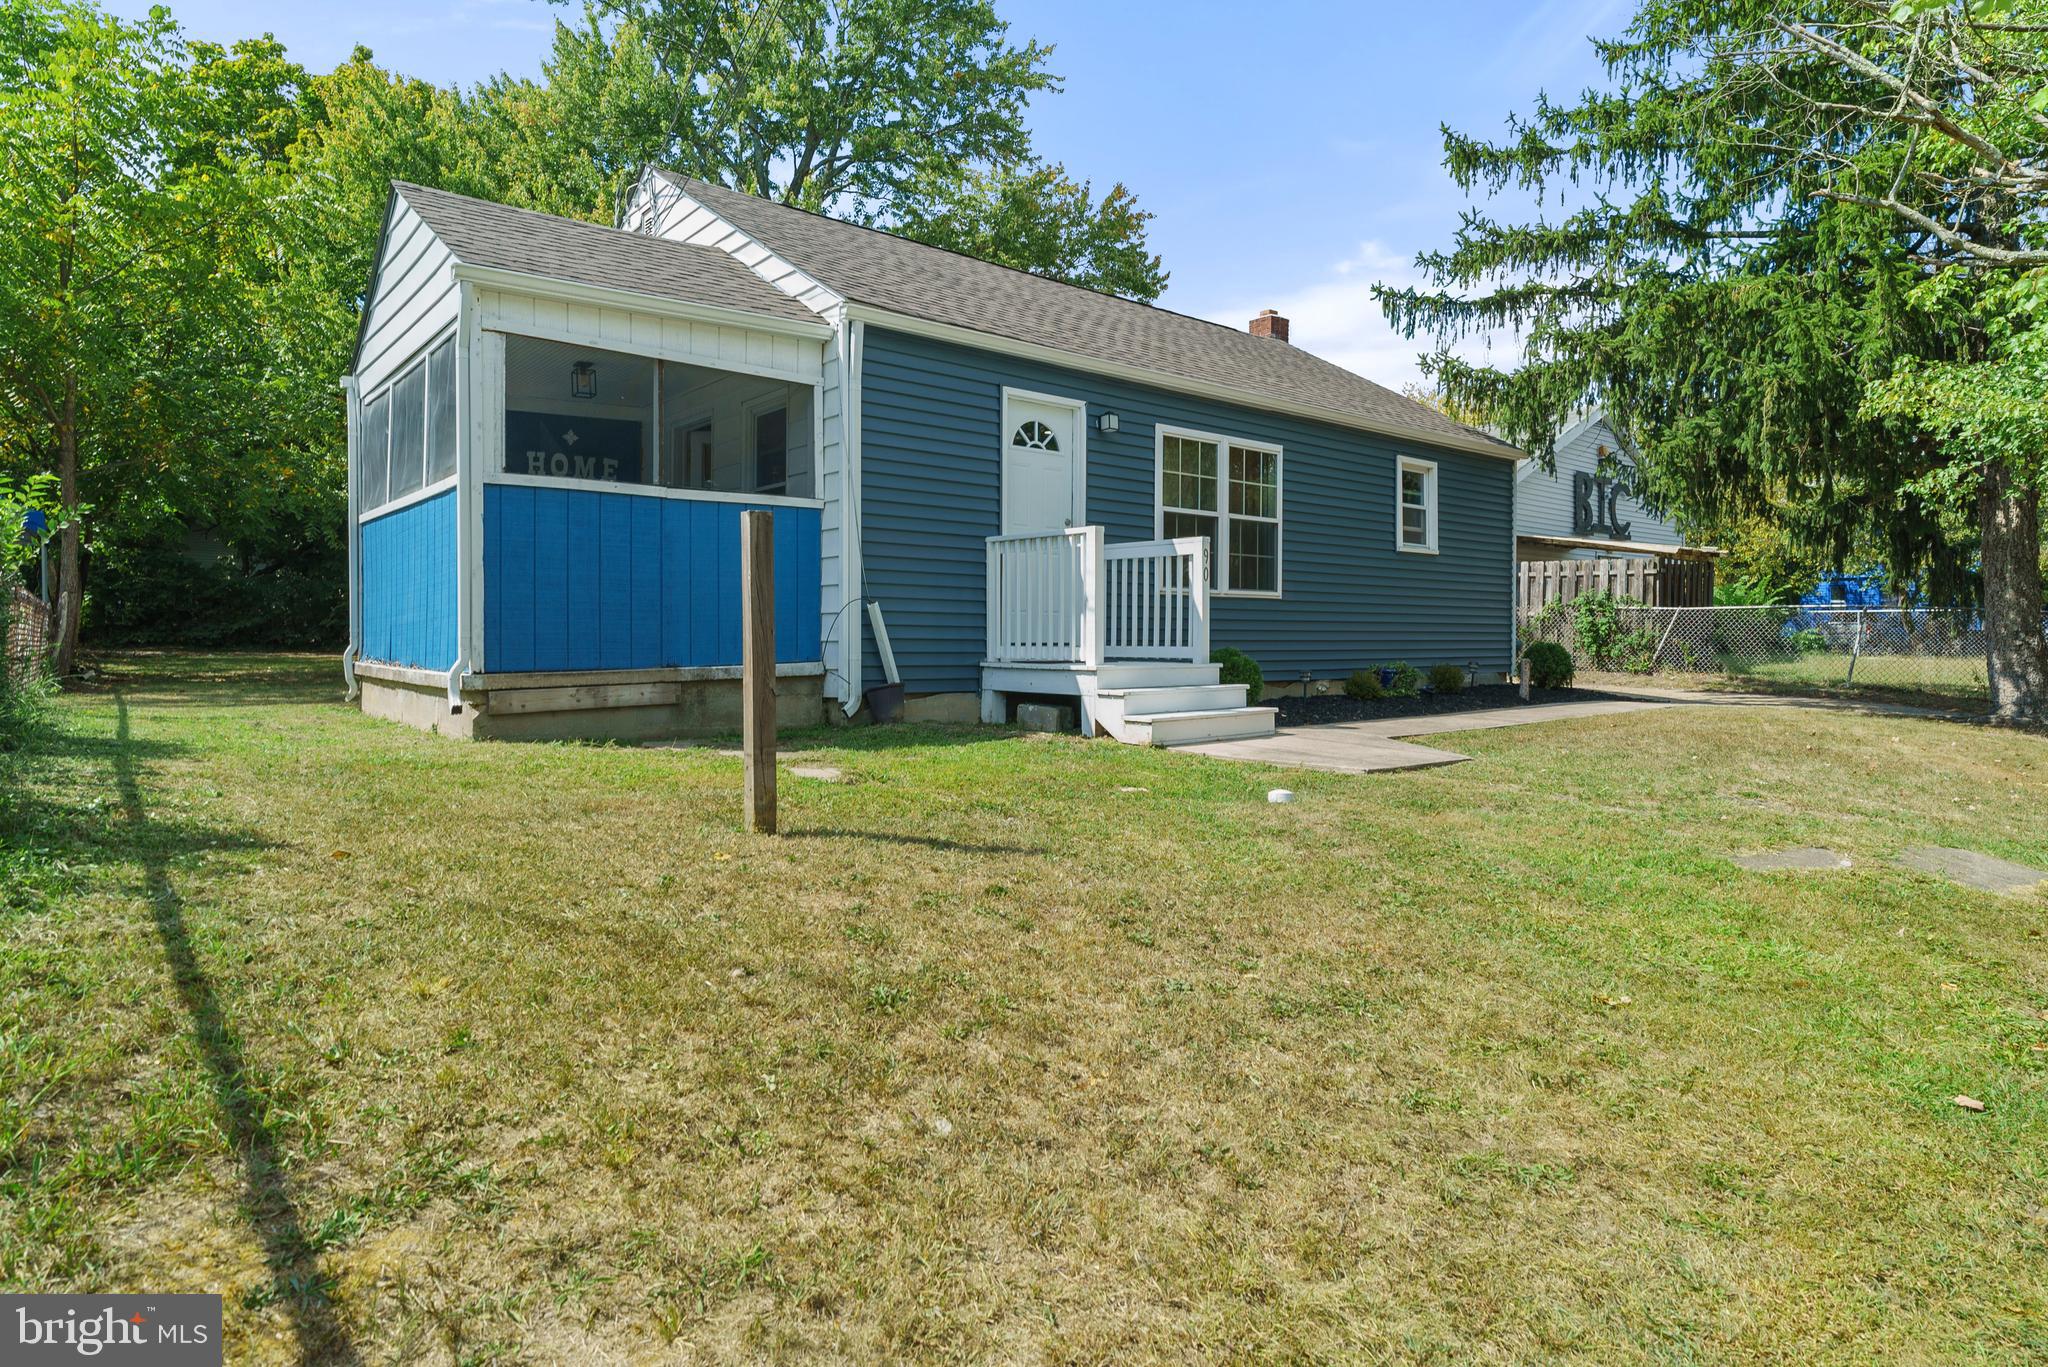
(757, 667)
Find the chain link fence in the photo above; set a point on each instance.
(24, 629)
(1932, 653)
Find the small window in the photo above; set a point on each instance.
(405, 436)
(687, 463)
(1035, 436)
(1228, 492)
(1187, 489)
(409, 431)
(1415, 507)
(441, 412)
(1254, 520)
(373, 453)
(771, 451)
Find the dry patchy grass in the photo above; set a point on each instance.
(422, 1050)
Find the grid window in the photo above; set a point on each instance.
(1415, 506)
(1228, 492)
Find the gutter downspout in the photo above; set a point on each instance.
(1514, 567)
(354, 539)
(469, 551)
(852, 572)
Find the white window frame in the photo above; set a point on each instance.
(1220, 551)
(1427, 469)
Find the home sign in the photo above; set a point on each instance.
(572, 446)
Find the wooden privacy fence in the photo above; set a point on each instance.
(1662, 582)
(28, 630)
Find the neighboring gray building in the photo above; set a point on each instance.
(1581, 526)
(1587, 507)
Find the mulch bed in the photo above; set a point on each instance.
(1318, 710)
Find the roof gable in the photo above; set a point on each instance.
(481, 233)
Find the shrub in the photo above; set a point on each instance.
(1240, 668)
(1407, 681)
(1551, 622)
(1447, 678)
(1600, 623)
(1596, 622)
(1809, 641)
(1637, 652)
(1365, 685)
(1550, 664)
(1749, 593)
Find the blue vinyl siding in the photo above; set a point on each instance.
(409, 577)
(576, 580)
(930, 484)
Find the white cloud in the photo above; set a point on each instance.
(1337, 318)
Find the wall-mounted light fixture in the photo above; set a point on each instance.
(583, 380)
(1107, 422)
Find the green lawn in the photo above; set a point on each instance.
(1021, 1048)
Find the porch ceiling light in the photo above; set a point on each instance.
(583, 380)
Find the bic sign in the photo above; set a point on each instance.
(1595, 507)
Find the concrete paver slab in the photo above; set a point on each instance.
(1334, 749)
(1972, 869)
(1800, 857)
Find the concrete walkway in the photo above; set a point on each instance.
(1374, 747)
(1491, 718)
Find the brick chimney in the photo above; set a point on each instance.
(1269, 323)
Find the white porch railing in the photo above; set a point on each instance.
(1071, 598)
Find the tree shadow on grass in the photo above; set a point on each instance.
(851, 738)
(929, 842)
(296, 1278)
(213, 681)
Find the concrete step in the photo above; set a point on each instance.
(1192, 728)
(1154, 674)
(1146, 702)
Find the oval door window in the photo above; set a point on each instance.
(1035, 435)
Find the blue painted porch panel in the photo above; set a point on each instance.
(931, 445)
(575, 579)
(409, 576)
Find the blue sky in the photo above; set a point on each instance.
(1290, 150)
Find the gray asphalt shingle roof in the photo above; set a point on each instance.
(481, 233)
(877, 268)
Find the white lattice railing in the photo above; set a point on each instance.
(1157, 605)
(1070, 598)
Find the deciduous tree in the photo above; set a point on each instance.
(89, 251)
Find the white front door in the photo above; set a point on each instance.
(1044, 463)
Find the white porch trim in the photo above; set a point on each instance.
(600, 296)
